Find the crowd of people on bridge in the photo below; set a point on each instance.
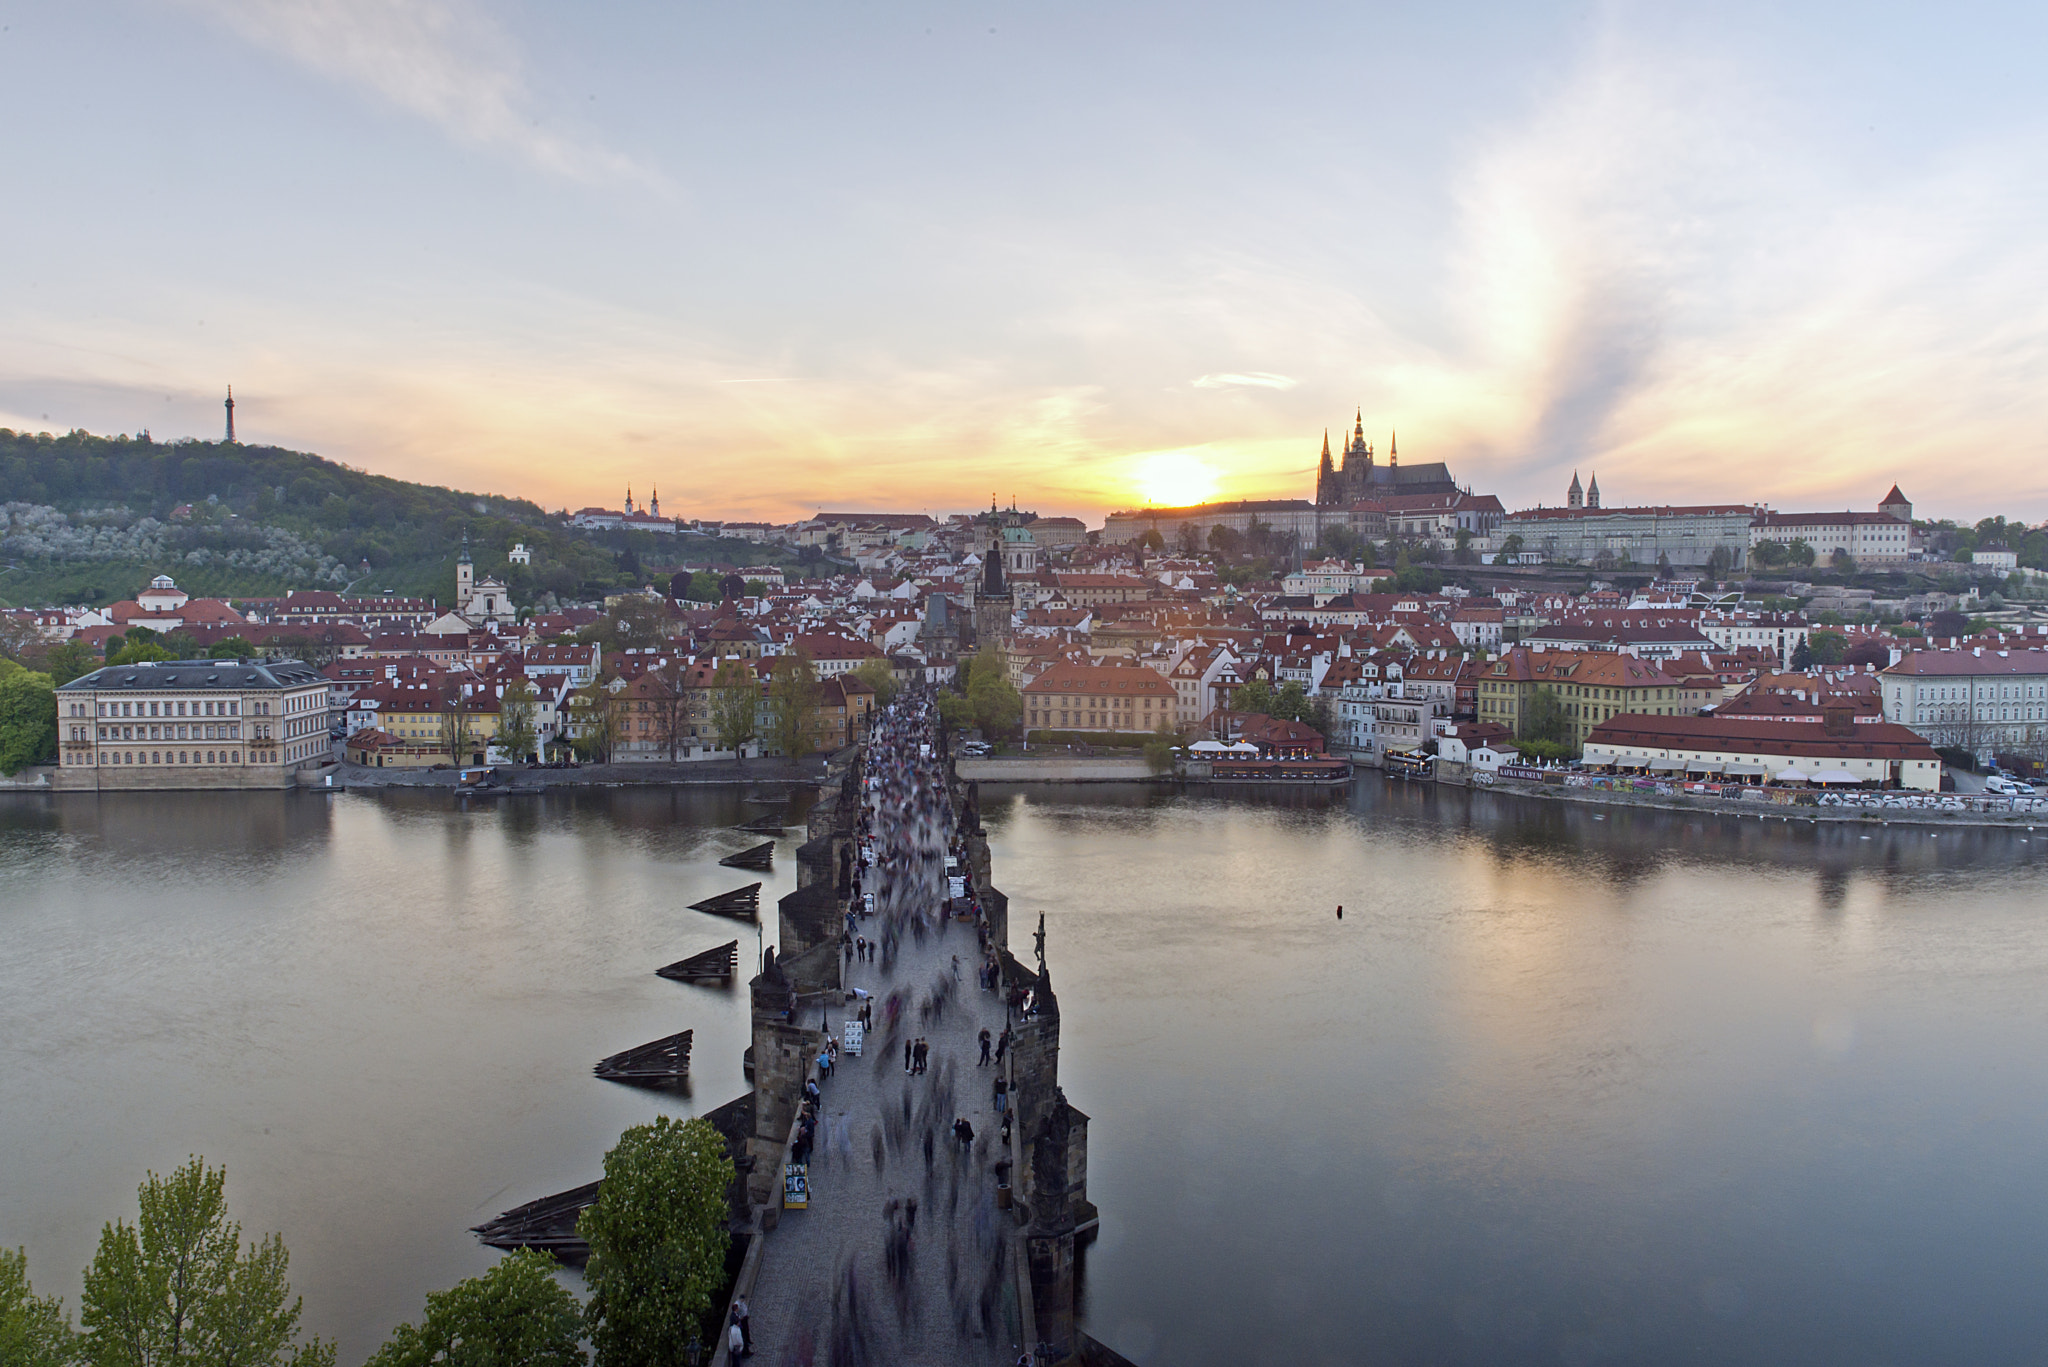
(911, 895)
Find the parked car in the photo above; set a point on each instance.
(975, 749)
(1998, 785)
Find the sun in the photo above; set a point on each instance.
(1174, 479)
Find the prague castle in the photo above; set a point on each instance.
(1360, 478)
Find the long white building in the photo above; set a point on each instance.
(1983, 701)
(191, 724)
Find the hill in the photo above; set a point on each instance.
(88, 519)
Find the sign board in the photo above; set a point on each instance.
(855, 1035)
(956, 886)
(796, 1187)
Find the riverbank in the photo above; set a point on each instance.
(1778, 806)
(513, 779)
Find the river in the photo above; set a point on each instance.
(1561, 1086)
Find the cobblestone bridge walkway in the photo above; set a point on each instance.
(862, 1276)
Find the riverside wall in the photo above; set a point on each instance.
(1057, 769)
(1777, 806)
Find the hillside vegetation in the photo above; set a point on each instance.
(87, 519)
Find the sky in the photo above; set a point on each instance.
(777, 257)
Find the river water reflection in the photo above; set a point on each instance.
(1557, 1088)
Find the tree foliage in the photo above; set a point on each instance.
(997, 705)
(515, 1315)
(793, 704)
(233, 648)
(658, 1240)
(518, 709)
(1826, 648)
(735, 705)
(179, 1287)
(28, 718)
(33, 1329)
(1256, 696)
(877, 674)
(1544, 718)
(591, 722)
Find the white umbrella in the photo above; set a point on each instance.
(1791, 776)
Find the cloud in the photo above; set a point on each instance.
(443, 60)
(1257, 379)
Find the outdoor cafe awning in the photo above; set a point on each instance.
(1667, 766)
(1738, 767)
(1835, 776)
(1791, 776)
(1703, 766)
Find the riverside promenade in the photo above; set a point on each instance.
(924, 1237)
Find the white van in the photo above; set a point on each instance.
(1998, 785)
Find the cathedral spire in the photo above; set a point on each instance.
(1393, 450)
(1575, 497)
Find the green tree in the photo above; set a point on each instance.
(1290, 702)
(68, 660)
(591, 720)
(28, 718)
(517, 710)
(877, 675)
(1768, 554)
(793, 704)
(1256, 696)
(1152, 540)
(1418, 579)
(137, 653)
(955, 711)
(658, 1240)
(1544, 718)
(1159, 749)
(515, 1315)
(632, 621)
(1798, 552)
(1511, 546)
(997, 704)
(1842, 562)
(33, 1329)
(233, 648)
(735, 704)
(1802, 655)
(178, 1287)
(1827, 647)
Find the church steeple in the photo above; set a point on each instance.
(1575, 497)
(1393, 451)
(1593, 491)
(654, 503)
(629, 500)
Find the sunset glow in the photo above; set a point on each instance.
(1173, 479)
(592, 289)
